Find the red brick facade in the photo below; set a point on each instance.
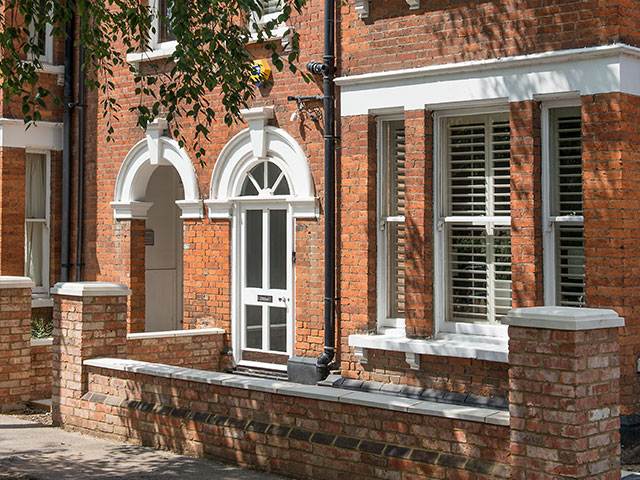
(391, 38)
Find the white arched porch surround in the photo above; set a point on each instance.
(248, 148)
(136, 169)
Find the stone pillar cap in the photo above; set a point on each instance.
(16, 282)
(563, 318)
(90, 289)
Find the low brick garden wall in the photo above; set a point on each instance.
(315, 432)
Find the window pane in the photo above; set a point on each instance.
(501, 261)
(468, 273)
(36, 187)
(33, 252)
(270, 6)
(278, 249)
(467, 169)
(248, 188)
(253, 248)
(253, 326)
(396, 273)
(278, 329)
(164, 12)
(566, 201)
(569, 164)
(479, 181)
(571, 266)
(500, 168)
(392, 209)
(258, 174)
(273, 172)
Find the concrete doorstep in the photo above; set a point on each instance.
(32, 451)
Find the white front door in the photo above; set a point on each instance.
(265, 309)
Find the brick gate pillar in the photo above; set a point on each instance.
(564, 389)
(15, 348)
(89, 321)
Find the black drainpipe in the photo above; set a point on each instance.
(327, 69)
(80, 204)
(66, 147)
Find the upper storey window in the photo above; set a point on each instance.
(42, 38)
(161, 34)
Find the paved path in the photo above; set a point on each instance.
(42, 452)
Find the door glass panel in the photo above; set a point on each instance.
(278, 249)
(278, 329)
(254, 249)
(254, 326)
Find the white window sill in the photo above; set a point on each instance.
(41, 301)
(51, 69)
(162, 51)
(277, 33)
(480, 347)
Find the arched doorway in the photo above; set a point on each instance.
(262, 183)
(157, 183)
(163, 252)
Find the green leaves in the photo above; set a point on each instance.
(211, 62)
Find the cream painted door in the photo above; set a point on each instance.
(163, 252)
(265, 308)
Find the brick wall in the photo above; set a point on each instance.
(41, 371)
(462, 375)
(526, 205)
(191, 351)
(298, 437)
(15, 332)
(394, 37)
(611, 185)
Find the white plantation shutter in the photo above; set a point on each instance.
(566, 213)
(271, 7)
(391, 224)
(395, 220)
(477, 218)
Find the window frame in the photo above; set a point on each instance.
(279, 30)
(550, 222)
(384, 321)
(154, 33)
(47, 56)
(46, 235)
(442, 323)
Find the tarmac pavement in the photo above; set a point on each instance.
(32, 451)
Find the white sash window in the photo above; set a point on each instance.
(36, 259)
(473, 218)
(562, 209)
(391, 224)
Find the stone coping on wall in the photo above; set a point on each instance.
(563, 318)
(9, 282)
(41, 342)
(376, 400)
(175, 333)
(90, 289)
